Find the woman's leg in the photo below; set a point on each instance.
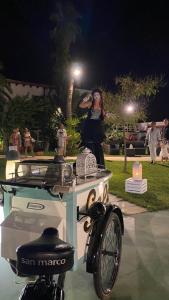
(99, 155)
(96, 149)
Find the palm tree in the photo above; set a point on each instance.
(65, 21)
(5, 98)
(64, 34)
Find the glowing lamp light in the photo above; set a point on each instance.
(77, 72)
(129, 108)
(12, 157)
(137, 171)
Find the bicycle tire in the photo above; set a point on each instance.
(103, 287)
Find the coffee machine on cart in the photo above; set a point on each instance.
(57, 213)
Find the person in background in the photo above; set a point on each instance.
(92, 134)
(164, 155)
(28, 145)
(61, 140)
(15, 139)
(153, 138)
(20, 139)
(165, 132)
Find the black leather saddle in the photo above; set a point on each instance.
(45, 255)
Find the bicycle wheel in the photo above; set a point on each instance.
(108, 258)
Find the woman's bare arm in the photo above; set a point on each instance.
(86, 103)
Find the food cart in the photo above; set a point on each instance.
(57, 214)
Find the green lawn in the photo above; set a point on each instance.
(157, 196)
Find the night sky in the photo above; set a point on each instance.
(118, 37)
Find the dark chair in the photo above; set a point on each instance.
(138, 146)
(115, 149)
(130, 152)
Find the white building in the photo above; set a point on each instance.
(21, 88)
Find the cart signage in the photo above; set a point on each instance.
(35, 206)
(43, 262)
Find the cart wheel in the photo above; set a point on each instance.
(108, 259)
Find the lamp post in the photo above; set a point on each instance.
(75, 73)
(128, 109)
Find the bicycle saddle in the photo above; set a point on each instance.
(45, 255)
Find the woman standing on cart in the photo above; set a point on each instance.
(93, 128)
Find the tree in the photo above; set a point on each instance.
(31, 112)
(73, 136)
(64, 34)
(131, 91)
(42, 117)
(5, 99)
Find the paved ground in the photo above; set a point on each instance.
(126, 207)
(144, 267)
(145, 259)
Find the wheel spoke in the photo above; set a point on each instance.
(108, 257)
(109, 254)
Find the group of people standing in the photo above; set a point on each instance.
(25, 142)
(158, 138)
(93, 131)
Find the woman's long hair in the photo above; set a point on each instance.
(101, 103)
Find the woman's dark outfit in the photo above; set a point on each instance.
(93, 135)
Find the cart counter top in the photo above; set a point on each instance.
(75, 184)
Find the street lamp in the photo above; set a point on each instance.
(75, 73)
(129, 109)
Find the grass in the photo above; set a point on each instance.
(157, 196)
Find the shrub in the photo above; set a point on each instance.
(73, 136)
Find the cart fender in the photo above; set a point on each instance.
(118, 212)
(96, 236)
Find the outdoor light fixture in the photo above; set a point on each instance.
(137, 170)
(75, 71)
(136, 184)
(129, 108)
(12, 157)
